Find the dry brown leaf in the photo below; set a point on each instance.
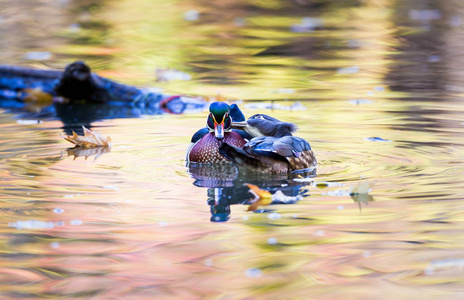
(91, 139)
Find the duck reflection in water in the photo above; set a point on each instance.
(227, 187)
(231, 151)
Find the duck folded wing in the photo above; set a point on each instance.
(271, 155)
(286, 146)
(267, 163)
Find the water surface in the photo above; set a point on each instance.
(375, 87)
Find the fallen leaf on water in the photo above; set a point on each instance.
(259, 193)
(262, 197)
(91, 139)
(360, 193)
(322, 185)
(363, 187)
(362, 199)
(39, 96)
(36, 99)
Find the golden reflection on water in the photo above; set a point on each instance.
(134, 224)
(131, 223)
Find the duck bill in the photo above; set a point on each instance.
(219, 130)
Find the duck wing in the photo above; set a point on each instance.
(286, 146)
(271, 155)
(295, 150)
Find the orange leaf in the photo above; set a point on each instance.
(262, 197)
(91, 139)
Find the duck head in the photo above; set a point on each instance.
(219, 120)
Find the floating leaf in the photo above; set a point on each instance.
(322, 185)
(262, 197)
(91, 139)
(259, 193)
(363, 187)
(362, 198)
(37, 99)
(39, 96)
(360, 193)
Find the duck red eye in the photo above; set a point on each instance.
(227, 121)
(210, 121)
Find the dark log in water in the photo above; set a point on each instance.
(78, 83)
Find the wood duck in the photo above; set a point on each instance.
(206, 141)
(262, 145)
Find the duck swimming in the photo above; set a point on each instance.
(206, 141)
(262, 144)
